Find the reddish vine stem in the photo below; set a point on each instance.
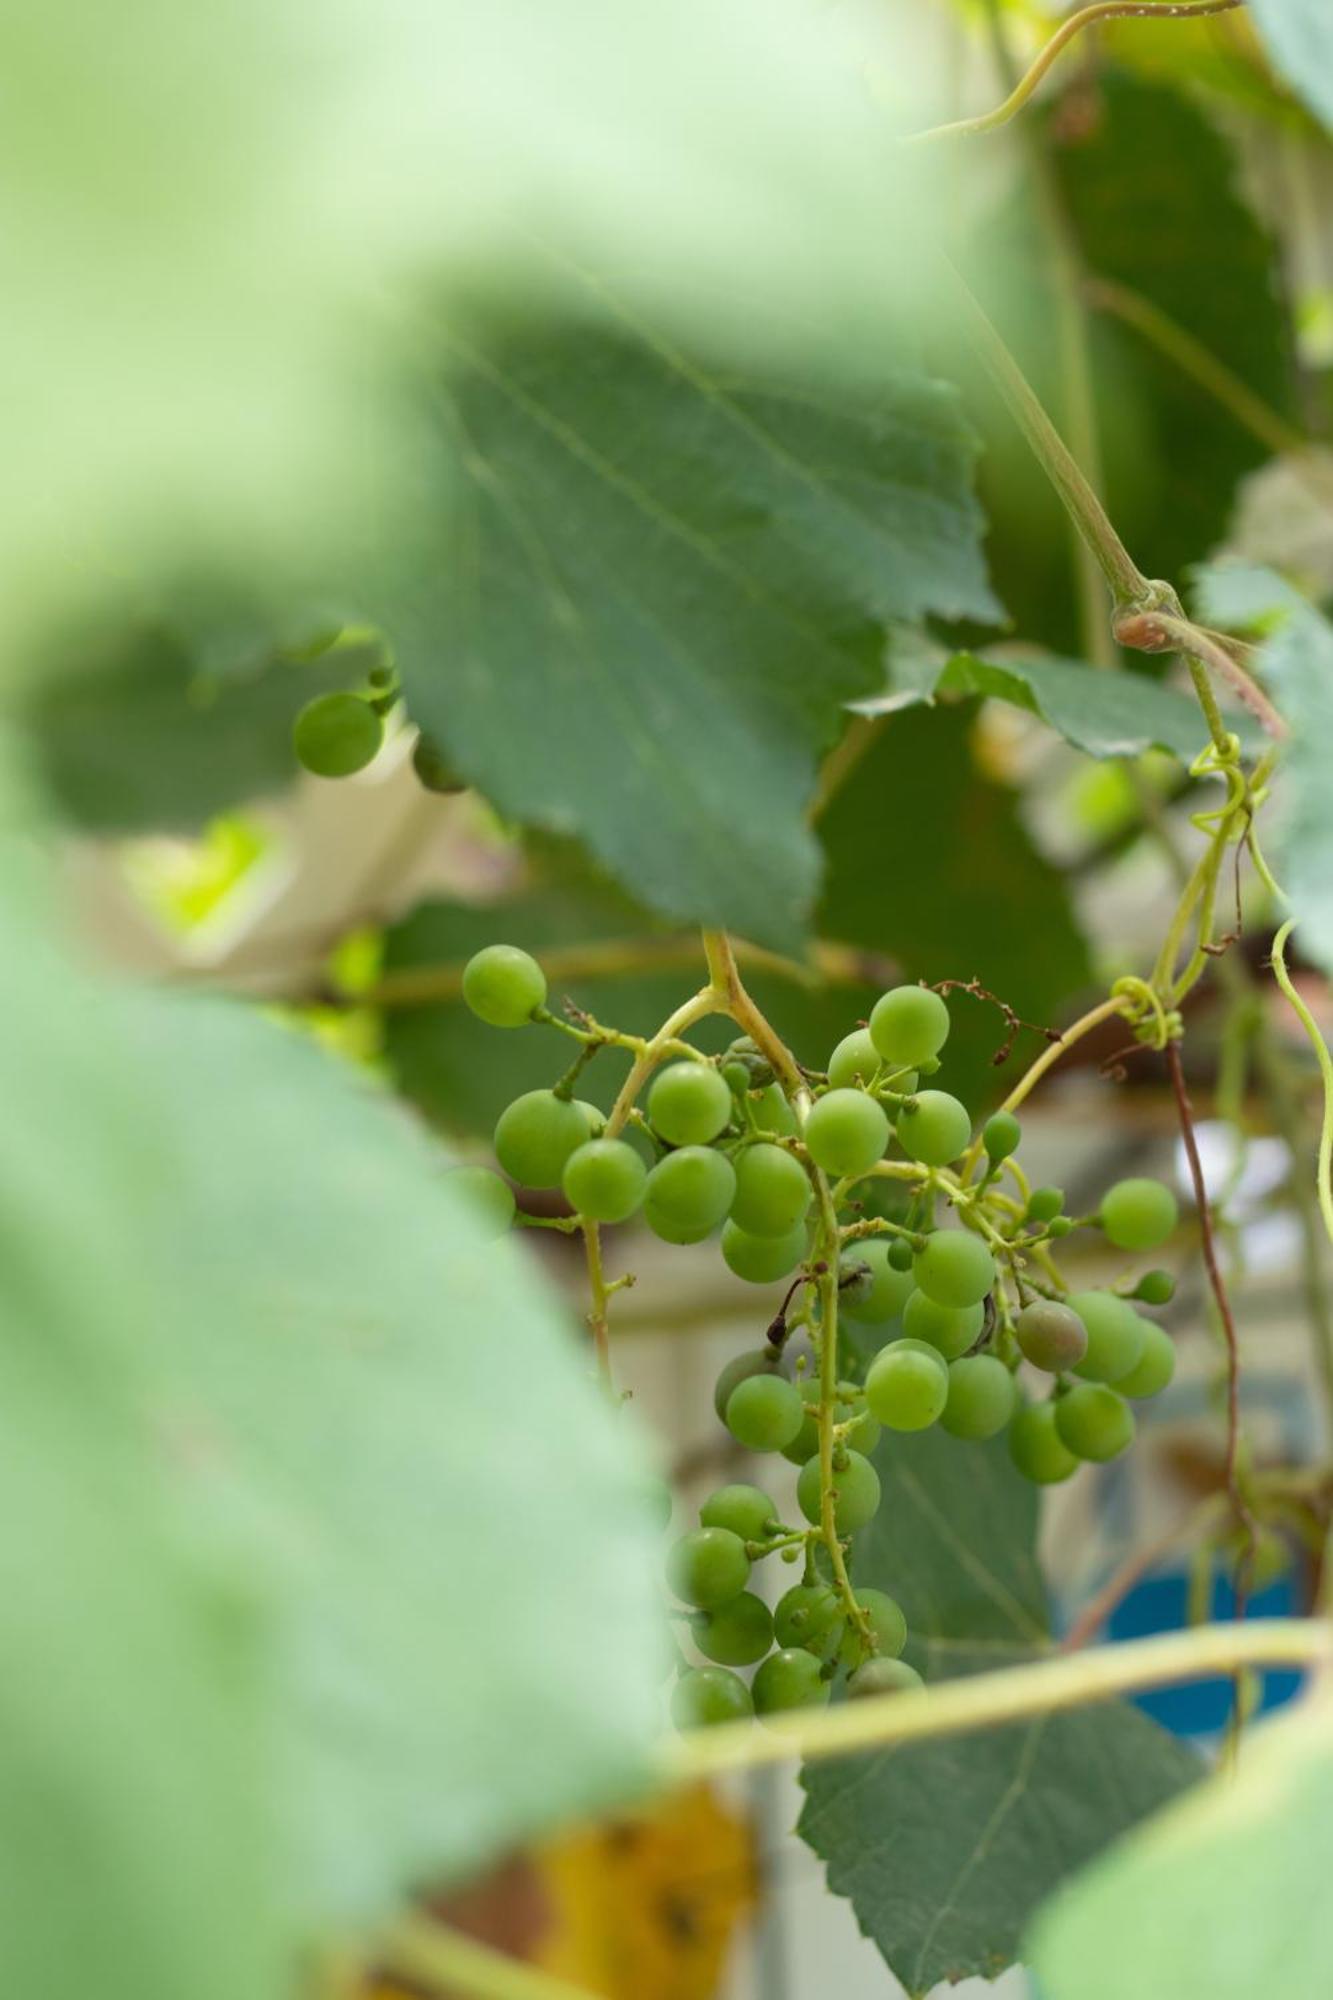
(1240, 1506)
(1122, 1580)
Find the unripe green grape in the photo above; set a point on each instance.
(1044, 1203)
(736, 1633)
(336, 735)
(1000, 1135)
(854, 1061)
(604, 1179)
(705, 1695)
(909, 1025)
(764, 1413)
(1058, 1226)
(846, 1133)
(791, 1678)
(746, 1510)
(808, 1615)
(535, 1136)
(774, 1114)
(1115, 1335)
(1094, 1422)
(707, 1566)
(490, 1199)
(1051, 1335)
(752, 1361)
(856, 1493)
(887, 1622)
(1155, 1288)
(881, 1676)
(688, 1193)
(1153, 1370)
(502, 985)
(433, 769)
(982, 1395)
(1036, 1447)
(951, 1330)
(908, 1385)
(900, 1254)
(954, 1268)
(865, 1432)
(773, 1191)
(736, 1077)
(745, 1049)
(934, 1128)
(876, 1292)
(761, 1260)
(593, 1117)
(1138, 1214)
(689, 1104)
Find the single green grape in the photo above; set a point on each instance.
(881, 1676)
(773, 1191)
(1045, 1203)
(490, 1199)
(1094, 1422)
(934, 1128)
(1059, 1226)
(774, 1114)
(908, 1385)
(707, 1566)
(1000, 1135)
(433, 769)
(705, 1695)
(1138, 1214)
(688, 1194)
(1153, 1370)
(856, 1493)
(336, 735)
(1036, 1447)
(764, 1412)
(790, 1678)
(901, 1254)
(1155, 1288)
(846, 1133)
(760, 1260)
(746, 1510)
(1115, 1335)
(909, 1025)
(604, 1179)
(502, 985)
(954, 1268)
(982, 1395)
(949, 1329)
(808, 1615)
(854, 1061)
(689, 1104)
(1051, 1335)
(887, 1622)
(869, 1289)
(535, 1136)
(736, 1633)
(751, 1361)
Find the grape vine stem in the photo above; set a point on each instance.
(444, 1961)
(1011, 1694)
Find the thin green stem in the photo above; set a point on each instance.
(1106, 1010)
(598, 1323)
(1012, 1694)
(697, 1008)
(1325, 1062)
(445, 1962)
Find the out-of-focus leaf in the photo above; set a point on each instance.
(632, 595)
(1222, 1897)
(945, 1849)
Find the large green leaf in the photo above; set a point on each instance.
(929, 864)
(1299, 37)
(945, 1849)
(336, 1570)
(1223, 1897)
(633, 594)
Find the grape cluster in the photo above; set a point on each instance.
(921, 1276)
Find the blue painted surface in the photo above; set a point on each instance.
(1200, 1708)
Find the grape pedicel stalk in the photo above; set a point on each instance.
(858, 1188)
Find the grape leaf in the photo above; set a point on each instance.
(1224, 1896)
(260, 1430)
(1299, 37)
(945, 1849)
(1104, 714)
(633, 596)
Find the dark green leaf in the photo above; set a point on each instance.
(634, 596)
(945, 1849)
